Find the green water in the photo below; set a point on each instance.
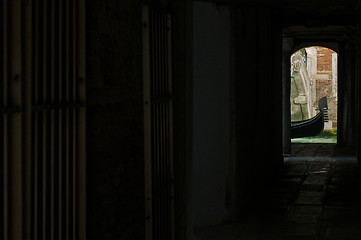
(315, 139)
(327, 136)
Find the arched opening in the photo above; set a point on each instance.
(313, 77)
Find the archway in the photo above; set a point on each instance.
(313, 76)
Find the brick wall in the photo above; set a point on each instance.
(324, 59)
(324, 82)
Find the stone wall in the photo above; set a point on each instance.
(301, 88)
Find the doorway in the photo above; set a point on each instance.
(313, 75)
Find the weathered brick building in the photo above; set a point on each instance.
(316, 70)
(326, 81)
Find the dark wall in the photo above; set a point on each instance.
(347, 112)
(183, 120)
(115, 182)
(259, 101)
(211, 113)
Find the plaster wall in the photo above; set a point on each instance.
(211, 113)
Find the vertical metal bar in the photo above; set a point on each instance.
(71, 125)
(5, 180)
(160, 123)
(167, 119)
(159, 103)
(61, 122)
(56, 159)
(39, 122)
(165, 139)
(52, 133)
(15, 125)
(23, 138)
(161, 50)
(165, 123)
(5, 76)
(44, 168)
(152, 122)
(27, 134)
(37, 217)
(147, 124)
(155, 130)
(35, 100)
(155, 94)
(81, 171)
(153, 140)
(2, 157)
(170, 125)
(60, 175)
(48, 117)
(44, 126)
(67, 121)
(163, 142)
(74, 120)
(156, 163)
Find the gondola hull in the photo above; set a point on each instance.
(312, 126)
(309, 127)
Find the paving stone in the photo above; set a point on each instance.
(281, 199)
(295, 170)
(298, 237)
(297, 160)
(219, 232)
(319, 167)
(340, 198)
(287, 188)
(310, 198)
(262, 229)
(299, 231)
(290, 181)
(274, 211)
(317, 198)
(313, 187)
(307, 210)
(332, 232)
(337, 233)
(311, 219)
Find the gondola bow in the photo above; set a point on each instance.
(312, 126)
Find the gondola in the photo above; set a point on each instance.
(312, 126)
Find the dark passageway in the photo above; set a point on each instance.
(316, 198)
(170, 120)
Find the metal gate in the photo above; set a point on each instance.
(158, 124)
(42, 123)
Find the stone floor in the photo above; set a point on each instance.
(317, 198)
(319, 149)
